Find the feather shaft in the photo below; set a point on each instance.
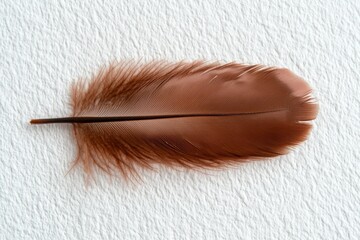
(137, 118)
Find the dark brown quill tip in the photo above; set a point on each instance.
(37, 121)
(51, 120)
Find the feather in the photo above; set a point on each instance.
(190, 114)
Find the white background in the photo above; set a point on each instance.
(312, 193)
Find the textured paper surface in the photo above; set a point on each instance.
(312, 193)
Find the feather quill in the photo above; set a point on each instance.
(190, 114)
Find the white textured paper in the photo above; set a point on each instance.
(312, 193)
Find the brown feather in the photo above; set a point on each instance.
(187, 114)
